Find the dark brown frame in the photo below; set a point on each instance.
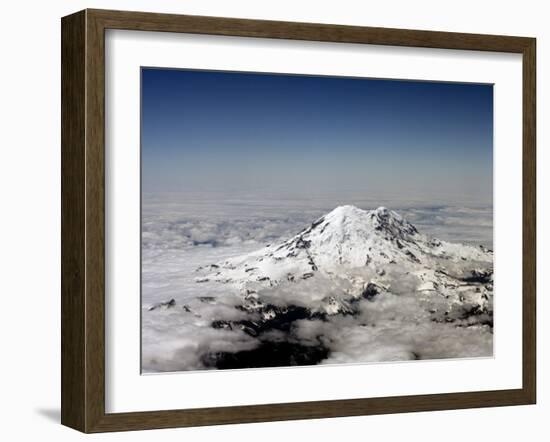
(83, 216)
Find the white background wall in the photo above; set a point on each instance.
(30, 215)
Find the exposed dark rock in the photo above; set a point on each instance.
(303, 243)
(316, 223)
(485, 249)
(370, 292)
(166, 305)
(412, 256)
(465, 315)
(281, 318)
(479, 276)
(344, 307)
(435, 242)
(268, 354)
(208, 242)
(222, 324)
(248, 329)
(271, 317)
(207, 299)
(324, 227)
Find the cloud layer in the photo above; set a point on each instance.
(182, 232)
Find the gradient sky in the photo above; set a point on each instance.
(223, 131)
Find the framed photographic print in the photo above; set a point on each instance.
(270, 220)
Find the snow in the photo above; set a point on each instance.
(346, 239)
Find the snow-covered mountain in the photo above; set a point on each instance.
(362, 254)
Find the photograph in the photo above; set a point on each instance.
(298, 220)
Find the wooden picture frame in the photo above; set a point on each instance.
(83, 220)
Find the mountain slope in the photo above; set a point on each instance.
(364, 254)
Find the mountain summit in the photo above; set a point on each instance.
(344, 239)
(353, 237)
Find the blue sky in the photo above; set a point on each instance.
(222, 131)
